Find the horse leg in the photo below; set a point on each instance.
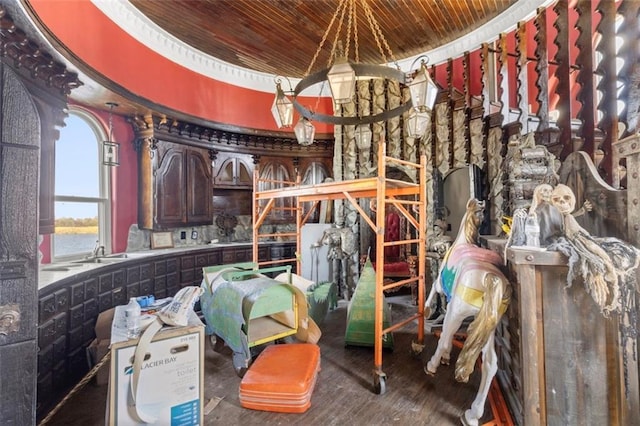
(451, 324)
(434, 293)
(489, 369)
(427, 304)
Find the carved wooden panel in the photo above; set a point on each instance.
(542, 69)
(608, 86)
(170, 186)
(486, 55)
(503, 76)
(175, 185)
(584, 60)
(198, 189)
(522, 77)
(19, 160)
(235, 171)
(629, 30)
(563, 73)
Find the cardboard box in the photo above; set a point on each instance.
(103, 324)
(99, 347)
(171, 382)
(95, 352)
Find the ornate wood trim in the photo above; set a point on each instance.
(542, 69)
(563, 89)
(522, 76)
(585, 96)
(630, 72)
(186, 133)
(608, 87)
(503, 73)
(28, 59)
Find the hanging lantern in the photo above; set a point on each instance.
(110, 149)
(342, 81)
(363, 136)
(110, 153)
(282, 108)
(305, 131)
(423, 89)
(417, 122)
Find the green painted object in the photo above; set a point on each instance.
(361, 313)
(321, 298)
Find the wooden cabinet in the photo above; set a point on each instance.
(235, 172)
(566, 364)
(180, 176)
(233, 184)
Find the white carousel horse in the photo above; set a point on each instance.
(474, 286)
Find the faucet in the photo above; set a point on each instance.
(98, 249)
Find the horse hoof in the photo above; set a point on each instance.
(445, 361)
(429, 372)
(466, 421)
(462, 379)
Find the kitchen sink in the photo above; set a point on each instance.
(56, 268)
(100, 260)
(61, 268)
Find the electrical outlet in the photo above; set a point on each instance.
(183, 235)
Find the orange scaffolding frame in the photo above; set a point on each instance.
(384, 191)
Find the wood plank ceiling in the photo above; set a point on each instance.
(282, 36)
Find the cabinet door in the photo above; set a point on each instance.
(235, 172)
(199, 195)
(244, 174)
(170, 188)
(225, 174)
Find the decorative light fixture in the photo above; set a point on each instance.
(305, 131)
(423, 97)
(416, 123)
(363, 136)
(424, 90)
(341, 75)
(342, 79)
(110, 149)
(282, 108)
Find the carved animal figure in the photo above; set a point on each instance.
(474, 286)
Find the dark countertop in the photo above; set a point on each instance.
(52, 272)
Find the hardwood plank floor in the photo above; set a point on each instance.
(343, 393)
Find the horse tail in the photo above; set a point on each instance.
(482, 326)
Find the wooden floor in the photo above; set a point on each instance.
(343, 393)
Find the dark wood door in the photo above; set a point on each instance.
(170, 185)
(199, 195)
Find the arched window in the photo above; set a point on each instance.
(82, 205)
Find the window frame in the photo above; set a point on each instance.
(103, 200)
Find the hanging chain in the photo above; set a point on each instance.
(324, 38)
(319, 95)
(377, 33)
(349, 26)
(110, 122)
(355, 36)
(335, 39)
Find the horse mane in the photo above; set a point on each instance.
(470, 222)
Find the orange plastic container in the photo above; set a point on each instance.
(282, 378)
